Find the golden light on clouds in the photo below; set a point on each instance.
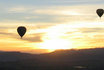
(51, 27)
(59, 36)
(70, 13)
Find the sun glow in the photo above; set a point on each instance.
(55, 38)
(57, 44)
(64, 36)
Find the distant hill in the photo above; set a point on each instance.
(15, 56)
(86, 59)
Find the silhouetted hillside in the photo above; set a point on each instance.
(86, 59)
(14, 56)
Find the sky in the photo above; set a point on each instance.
(51, 25)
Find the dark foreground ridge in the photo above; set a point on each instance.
(87, 59)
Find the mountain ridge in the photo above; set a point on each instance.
(15, 55)
(86, 59)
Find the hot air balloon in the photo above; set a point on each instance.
(100, 12)
(21, 31)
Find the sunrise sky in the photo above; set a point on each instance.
(51, 24)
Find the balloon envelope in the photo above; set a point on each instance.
(21, 30)
(100, 12)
